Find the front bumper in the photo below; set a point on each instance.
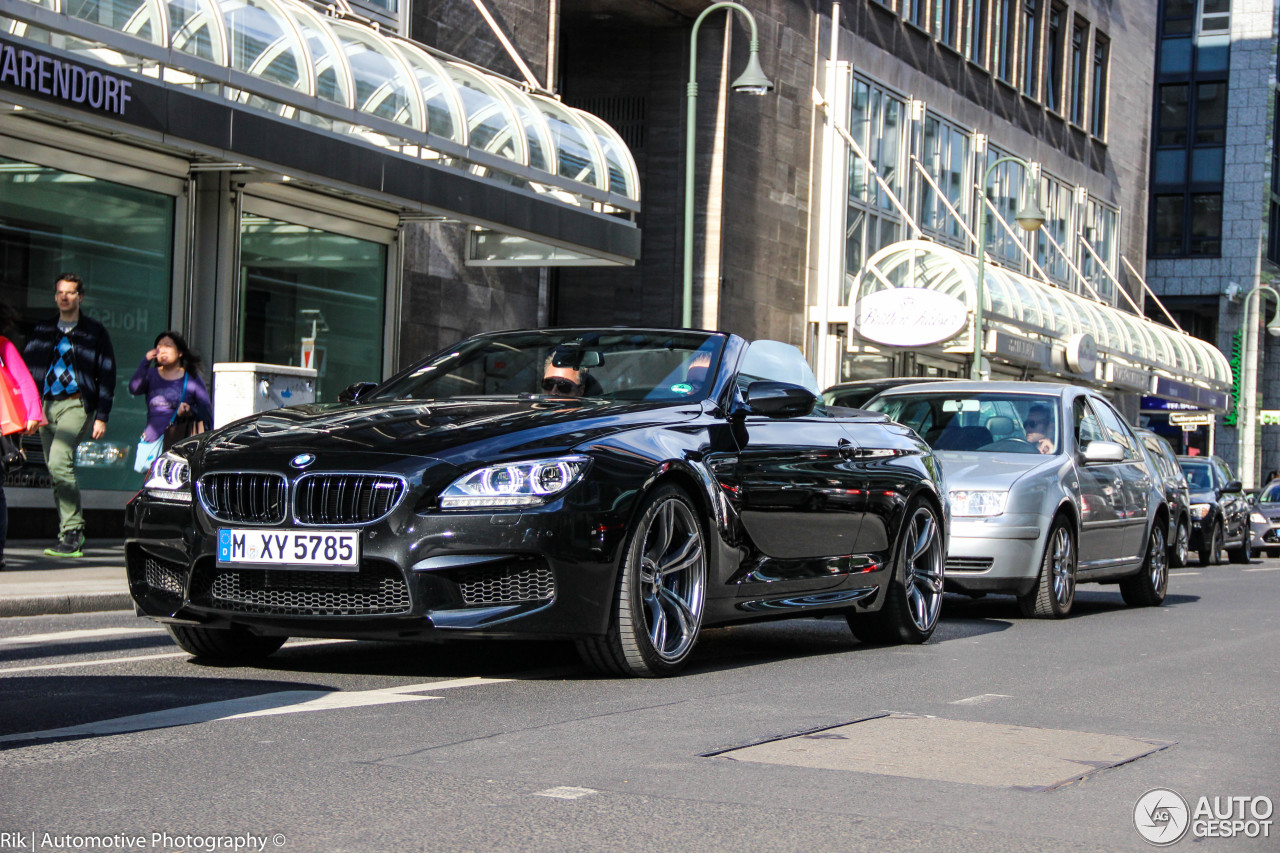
(549, 573)
(1000, 554)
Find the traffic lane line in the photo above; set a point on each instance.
(261, 705)
(292, 644)
(79, 634)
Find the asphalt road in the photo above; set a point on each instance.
(1001, 733)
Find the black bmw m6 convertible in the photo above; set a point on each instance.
(623, 488)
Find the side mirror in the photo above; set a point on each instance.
(1103, 451)
(353, 392)
(1233, 486)
(779, 399)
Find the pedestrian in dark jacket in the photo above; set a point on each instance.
(71, 359)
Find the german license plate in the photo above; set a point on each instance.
(326, 550)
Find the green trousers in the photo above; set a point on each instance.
(68, 425)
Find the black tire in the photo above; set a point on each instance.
(1148, 587)
(225, 645)
(1055, 589)
(1211, 553)
(1242, 553)
(663, 582)
(913, 597)
(1179, 548)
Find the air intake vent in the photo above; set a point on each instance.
(346, 498)
(968, 564)
(244, 498)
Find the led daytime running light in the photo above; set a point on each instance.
(517, 484)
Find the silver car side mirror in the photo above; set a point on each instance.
(1103, 451)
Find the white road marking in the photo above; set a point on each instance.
(1177, 573)
(292, 644)
(82, 634)
(264, 705)
(978, 700)
(566, 793)
(1268, 569)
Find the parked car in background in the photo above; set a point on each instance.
(1176, 494)
(1264, 519)
(1049, 487)
(623, 488)
(1219, 510)
(851, 395)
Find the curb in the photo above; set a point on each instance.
(45, 605)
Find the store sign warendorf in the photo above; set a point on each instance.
(909, 316)
(41, 74)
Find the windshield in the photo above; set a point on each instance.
(1198, 475)
(984, 422)
(609, 365)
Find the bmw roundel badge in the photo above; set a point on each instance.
(302, 460)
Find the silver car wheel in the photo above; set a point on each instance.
(924, 563)
(1157, 561)
(672, 575)
(1181, 545)
(1064, 562)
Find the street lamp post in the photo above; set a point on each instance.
(1029, 218)
(752, 82)
(1246, 406)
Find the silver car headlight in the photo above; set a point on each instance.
(1199, 511)
(977, 503)
(518, 484)
(169, 479)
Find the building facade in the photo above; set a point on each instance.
(1215, 205)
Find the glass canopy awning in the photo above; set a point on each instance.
(1023, 306)
(300, 63)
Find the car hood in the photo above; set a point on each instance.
(968, 470)
(456, 429)
(1200, 496)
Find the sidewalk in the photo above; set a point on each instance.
(33, 584)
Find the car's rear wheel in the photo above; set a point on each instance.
(1147, 588)
(227, 645)
(661, 592)
(913, 598)
(1180, 552)
(1055, 589)
(1211, 554)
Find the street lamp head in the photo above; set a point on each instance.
(1273, 328)
(1030, 217)
(753, 80)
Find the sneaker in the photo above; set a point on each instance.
(68, 546)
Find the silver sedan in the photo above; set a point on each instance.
(1048, 486)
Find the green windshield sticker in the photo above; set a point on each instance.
(682, 388)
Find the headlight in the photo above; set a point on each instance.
(170, 479)
(518, 484)
(1257, 518)
(976, 503)
(1199, 511)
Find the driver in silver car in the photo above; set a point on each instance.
(1040, 429)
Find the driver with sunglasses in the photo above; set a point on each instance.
(563, 381)
(1039, 428)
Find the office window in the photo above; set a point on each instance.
(1075, 95)
(1098, 107)
(1173, 113)
(1166, 231)
(1055, 200)
(877, 122)
(1006, 189)
(1003, 35)
(946, 22)
(1029, 57)
(975, 38)
(915, 12)
(1102, 227)
(944, 154)
(1054, 47)
(1273, 229)
(1206, 224)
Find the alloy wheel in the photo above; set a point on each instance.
(672, 575)
(924, 563)
(1181, 545)
(1158, 560)
(1064, 575)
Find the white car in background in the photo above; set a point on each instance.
(1049, 487)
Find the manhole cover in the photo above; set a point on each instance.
(916, 747)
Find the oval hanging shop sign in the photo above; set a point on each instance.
(909, 316)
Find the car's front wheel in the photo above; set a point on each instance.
(1147, 588)
(1211, 553)
(1180, 553)
(661, 592)
(913, 598)
(1055, 589)
(226, 645)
